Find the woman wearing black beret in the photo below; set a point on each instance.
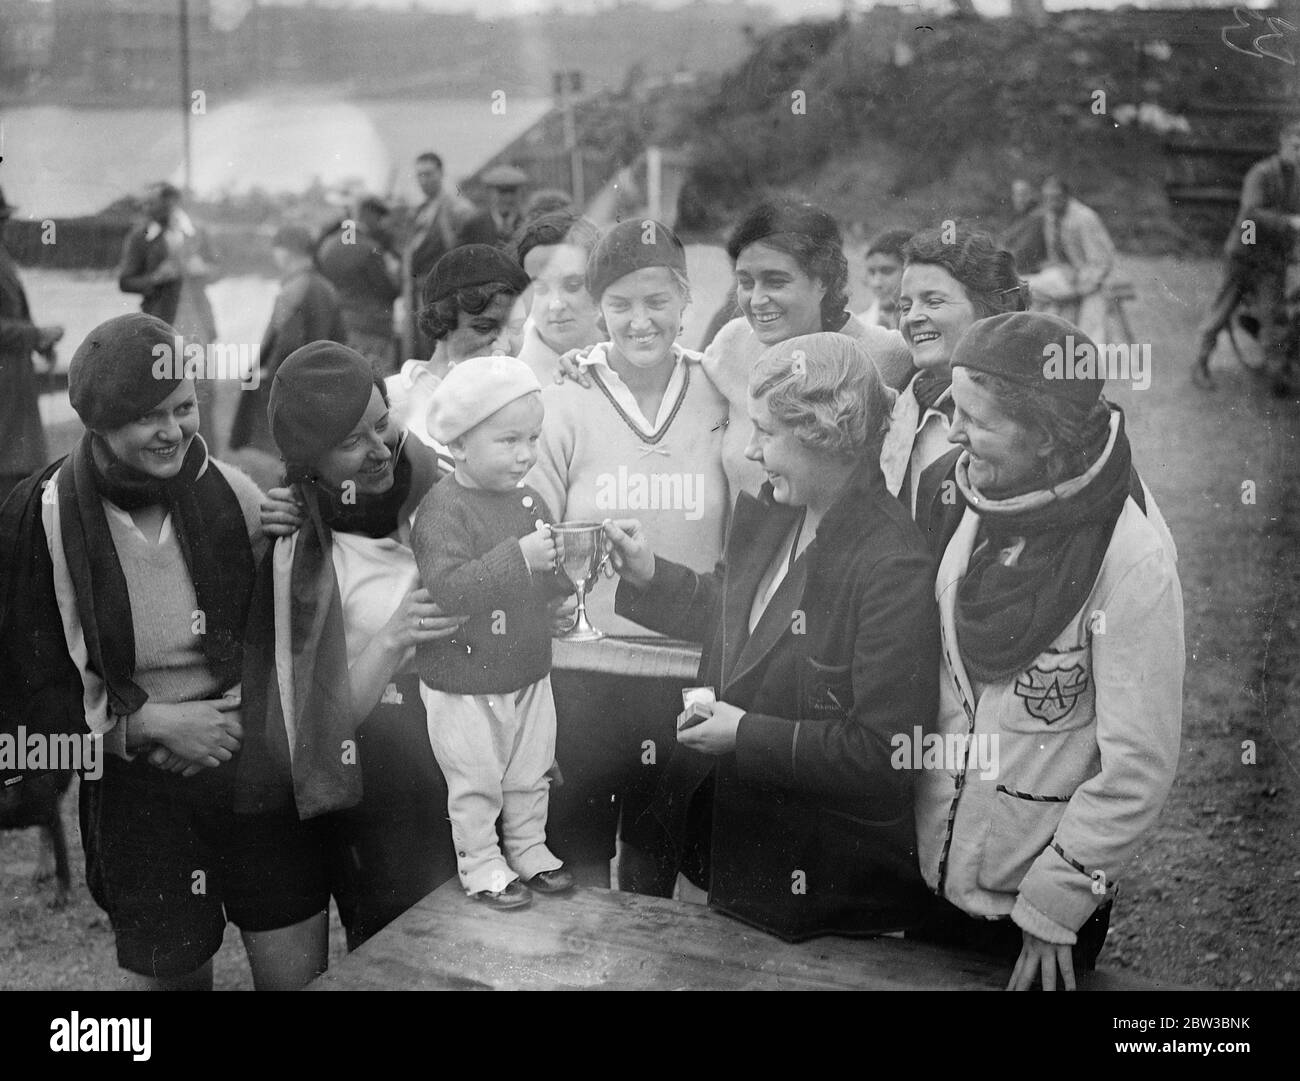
(122, 605)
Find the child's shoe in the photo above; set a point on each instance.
(515, 895)
(557, 881)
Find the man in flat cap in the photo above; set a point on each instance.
(22, 439)
(505, 184)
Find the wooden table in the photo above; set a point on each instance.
(596, 939)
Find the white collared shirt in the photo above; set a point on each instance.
(914, 438)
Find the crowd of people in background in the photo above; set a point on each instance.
(884, 532)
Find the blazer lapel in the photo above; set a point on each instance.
(751, 546)
(772, 624)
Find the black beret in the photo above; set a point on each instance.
(119, 372)
(469, 265)
(1034, 349)
(632, 245)
(318, 394)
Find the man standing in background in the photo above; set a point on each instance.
(357, 257)
(1080, 257)
(1258, 250)
(22, 439)
(169, 261)
(445, 220)
(505, 184)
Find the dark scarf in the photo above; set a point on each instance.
(928, 388)
(1007, 615)
(213, 539)
(323, 777)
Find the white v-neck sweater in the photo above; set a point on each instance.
(595, 463)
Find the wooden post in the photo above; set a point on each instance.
(185, 94)
(654, 163)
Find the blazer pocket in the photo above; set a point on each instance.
(1021, 827)
(827, 691)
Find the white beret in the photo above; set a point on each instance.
(473, 390)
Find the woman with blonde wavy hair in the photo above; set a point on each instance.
(820, 643)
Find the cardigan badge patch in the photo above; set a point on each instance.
(1050, 696)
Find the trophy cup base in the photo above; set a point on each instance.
(582, 634)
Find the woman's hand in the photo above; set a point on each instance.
(282, 514)
(571, 369)
(630, 553)
(171, 762)
(204, 733)
(717, 735)
(1036, 954)
(417, 619)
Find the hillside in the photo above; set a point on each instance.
(903, 125)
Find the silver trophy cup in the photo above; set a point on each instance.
(580, 552)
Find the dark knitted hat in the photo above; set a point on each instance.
(632, 245)
(1036, 350)
(469, 265)
(119, 372)
(319, 393)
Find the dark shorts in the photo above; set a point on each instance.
(170, 862)
(614, 735)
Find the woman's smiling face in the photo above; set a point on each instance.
(777, 297)
(934, 311)
(643, 311)
(156, 443)
(1005, 458)
(363, 458)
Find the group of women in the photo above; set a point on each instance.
(854, 579)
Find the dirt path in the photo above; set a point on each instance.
(1213, 896)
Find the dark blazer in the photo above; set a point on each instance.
(812, 829)
(939, 505)
(22, 439)
(40, 685)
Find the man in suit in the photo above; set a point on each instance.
(169, 260)
(445, 220)
(22, 439)
(505, 184)
(1258, 250)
